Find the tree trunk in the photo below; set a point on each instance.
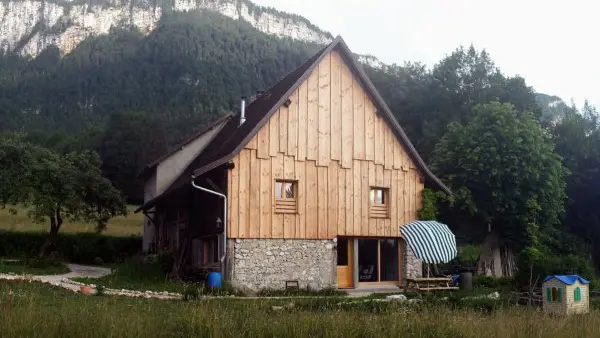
(493, 260)
(55, 223)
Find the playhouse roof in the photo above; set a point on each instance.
(567, 279)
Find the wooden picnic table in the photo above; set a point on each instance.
(430, 284)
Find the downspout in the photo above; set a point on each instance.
(224, 215)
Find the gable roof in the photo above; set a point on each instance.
(567, 279)
(233, 137)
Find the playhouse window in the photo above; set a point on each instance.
(577, 294)
(554, 294)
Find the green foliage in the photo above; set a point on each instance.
(300, 292)
(468, 255)
(193, 67)
(137, 273)
(501, 283)
(100, 290)
(577, 138)
(553, 265)
(131, 141)
(426, 101)
(503, 169)
(57, 187)
(428, 210)
(81, 248)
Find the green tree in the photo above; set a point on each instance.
(577, 137)
(130, 141)
(504, 172)
(57, 187)
(426, 101)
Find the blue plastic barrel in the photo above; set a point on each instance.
(214, 280)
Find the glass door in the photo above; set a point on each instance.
(378, 261)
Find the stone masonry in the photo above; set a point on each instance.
(268, 263)
(413, 267)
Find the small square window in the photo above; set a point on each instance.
(377, 196)
(379, 202)
(285, 196)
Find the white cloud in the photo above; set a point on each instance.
(551, 44)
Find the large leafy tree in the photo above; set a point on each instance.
(57, 187)
(426, 101)
(504, 173)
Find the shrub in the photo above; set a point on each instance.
(82, 248)
(494, 282)
(554, 265)
(468, 255)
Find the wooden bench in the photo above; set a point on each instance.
(430, 284)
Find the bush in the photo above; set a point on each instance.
(554, 265)
(494, 282)
(468, 255)
(84, 248)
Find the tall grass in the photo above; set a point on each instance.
(32, 310)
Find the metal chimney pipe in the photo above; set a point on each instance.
(243, 111)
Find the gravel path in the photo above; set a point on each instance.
(64, 281)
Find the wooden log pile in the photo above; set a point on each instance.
(531, 297)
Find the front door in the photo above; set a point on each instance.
(344, 264)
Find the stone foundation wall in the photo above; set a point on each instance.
(413, 267)
(268, 263)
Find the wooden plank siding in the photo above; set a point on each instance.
(335, 146)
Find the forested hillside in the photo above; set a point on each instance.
(131, 96)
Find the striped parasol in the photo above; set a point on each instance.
(431, 241)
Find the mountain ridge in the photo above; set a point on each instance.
(27, 27)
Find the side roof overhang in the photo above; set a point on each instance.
(233, 137)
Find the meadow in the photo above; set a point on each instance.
(34, 310)
(132, 224)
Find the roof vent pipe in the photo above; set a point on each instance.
(243, 111)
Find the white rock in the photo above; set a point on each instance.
(400, 298)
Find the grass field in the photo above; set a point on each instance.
(136, 275)
(33, 310)
(132, 224)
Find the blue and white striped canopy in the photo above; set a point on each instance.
(431, 241)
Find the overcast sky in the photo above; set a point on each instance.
(554, 45)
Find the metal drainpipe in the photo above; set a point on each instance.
(224, 215)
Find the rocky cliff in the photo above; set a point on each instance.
(29, 26)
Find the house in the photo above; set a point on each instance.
(566, 294)
(309, 182)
